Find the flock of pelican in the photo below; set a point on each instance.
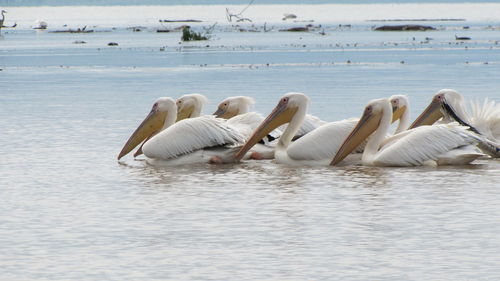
(450, 131)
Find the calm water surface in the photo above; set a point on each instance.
(70, 211)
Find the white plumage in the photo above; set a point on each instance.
(310, 123)
(437, 143)
(315, 148)
(426, 145)
(192, 134)
(486, 118)
(323, 142)
(483, 119)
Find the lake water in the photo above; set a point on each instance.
(70, 211)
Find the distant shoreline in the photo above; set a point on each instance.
(149, 16)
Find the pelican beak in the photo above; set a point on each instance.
(151, 125)
(368, 123)
(430, 115)
(449, 111)
(224, 113)
(397, 112)
(184, 112)
(279, 116)
(139, 150)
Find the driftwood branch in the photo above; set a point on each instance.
(238, 16)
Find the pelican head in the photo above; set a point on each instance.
(190, 105)
(399, 105)
(233, 106)
(283, 113)
(161, 116)
(447, 104)
(367, 124)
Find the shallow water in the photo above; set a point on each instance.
(70, 211)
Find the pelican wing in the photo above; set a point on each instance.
(323, 142)
(416, 146)
(246, 122)
(190, 135)
(310, 123)
(486, 118)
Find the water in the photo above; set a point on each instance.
(70, 211)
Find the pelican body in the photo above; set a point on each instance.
(426, 145)
(315, 148)
(449, 106)
(190, 106)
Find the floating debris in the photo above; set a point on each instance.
(289, 16)
(462, 38)
(296, 29)
(79, 42)
(405, 27)
(78, 30)
(40, 24)
(180, 21)
(384, 20)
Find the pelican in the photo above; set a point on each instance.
(315, 148)
(425, 145)
(191, 140)
(401, 111)
(233, 106)
(450, 106)
(238, 105)
(190, 105)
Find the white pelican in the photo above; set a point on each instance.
(316, 148)
(233, 106)
(190, 105)
(400, 109)
(421, 146)
(238, 105)
(192, 140)
(450, 106)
